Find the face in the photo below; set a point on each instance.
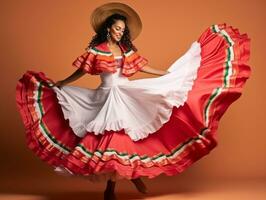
(117, 30)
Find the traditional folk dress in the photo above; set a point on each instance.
(134, 128)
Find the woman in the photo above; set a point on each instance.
(113, 32)
(131, 129)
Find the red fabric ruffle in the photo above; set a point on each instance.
(188, 135)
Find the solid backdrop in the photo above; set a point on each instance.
(48, 35)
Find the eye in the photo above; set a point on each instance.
(118, 29)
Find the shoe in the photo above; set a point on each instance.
(109, 195)
(109, 191)
(140, 185)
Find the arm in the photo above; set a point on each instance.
(151, 70)
(76, 75)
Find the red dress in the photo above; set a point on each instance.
(183, 137)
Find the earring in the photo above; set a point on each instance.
(108, 36)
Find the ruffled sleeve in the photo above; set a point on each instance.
(139, 61)
(85, 61)
(134, 63)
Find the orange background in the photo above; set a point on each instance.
(48, 35)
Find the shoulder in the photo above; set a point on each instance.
(126, 49)
(100, 49)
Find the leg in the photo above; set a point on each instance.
(109, 193)
(140, 185)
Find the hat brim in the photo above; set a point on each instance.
(100, 14)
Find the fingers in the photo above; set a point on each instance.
(58, 84)
(51, 85)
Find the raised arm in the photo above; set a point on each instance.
(76, 75)
(151, 70)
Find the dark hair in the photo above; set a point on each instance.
(101, 34)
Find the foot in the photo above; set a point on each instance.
(140, 185)
(108, 195)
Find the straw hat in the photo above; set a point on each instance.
(99, 15)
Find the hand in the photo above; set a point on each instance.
(58, 84)
(165, 72)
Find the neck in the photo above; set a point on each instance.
(111, 42)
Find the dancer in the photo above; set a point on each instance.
(128, 129)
